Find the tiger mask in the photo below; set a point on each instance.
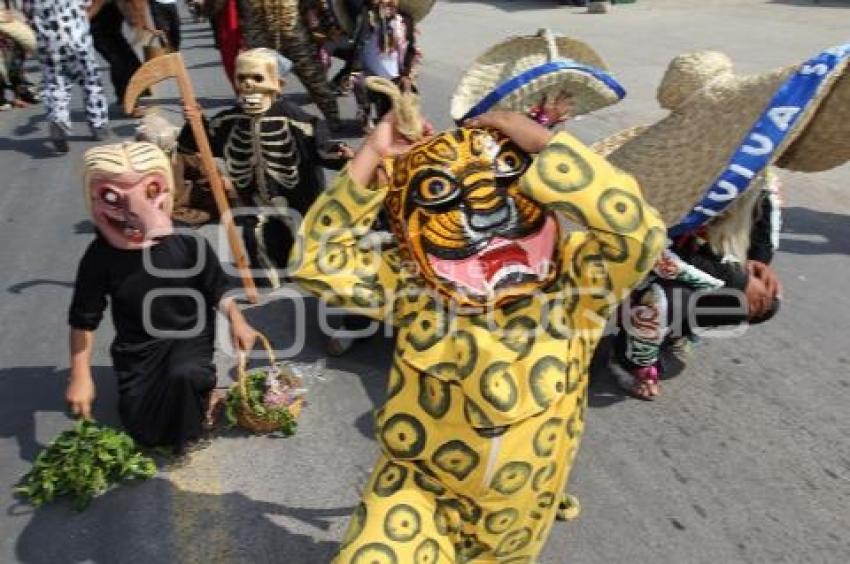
(456, 208)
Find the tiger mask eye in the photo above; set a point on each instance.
(434, 188)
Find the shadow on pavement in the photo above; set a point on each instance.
(157, 522)
(35, 148)
(833, 227)
(28, 390)
(21, 286)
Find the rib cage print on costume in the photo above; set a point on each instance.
(260, 152)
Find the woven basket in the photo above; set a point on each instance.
(246, 418)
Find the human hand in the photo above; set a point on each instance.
(80, 394)
(529, 135)
(405, 84)
(759, 299)
(191, 112)
(344, 151)
(244, 336)
(767, 275)
(385, 140)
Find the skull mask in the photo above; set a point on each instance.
(129, 190)
(257, 80)
(456, 207)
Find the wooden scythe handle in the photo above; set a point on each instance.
(167, 66)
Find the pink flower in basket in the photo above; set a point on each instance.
(279, 393)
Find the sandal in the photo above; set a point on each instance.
(642, 382)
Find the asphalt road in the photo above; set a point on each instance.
(745, 458)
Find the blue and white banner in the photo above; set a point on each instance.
(515, 83)
(759, 146)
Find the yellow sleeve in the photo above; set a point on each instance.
(625, 235)
(336, 260)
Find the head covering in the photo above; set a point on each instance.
(725, 129)
(512, 74)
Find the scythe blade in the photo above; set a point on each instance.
(152, 72)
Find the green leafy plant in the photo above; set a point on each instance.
(264, 401)
(82, 463)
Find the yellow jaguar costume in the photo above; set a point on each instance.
(487, 392)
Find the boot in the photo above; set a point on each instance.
(59, 137)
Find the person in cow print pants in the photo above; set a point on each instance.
(66, 55)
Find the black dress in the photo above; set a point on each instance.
(164, 322)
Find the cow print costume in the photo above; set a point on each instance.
(66, 54)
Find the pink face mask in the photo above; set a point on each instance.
(132, 210)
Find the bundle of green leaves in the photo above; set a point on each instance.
(265, 401)
(83, 463)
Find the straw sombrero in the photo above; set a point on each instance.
(713, 111)
(14, 27)
(512, 74)
(345, 11)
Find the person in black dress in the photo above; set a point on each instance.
(163, 287)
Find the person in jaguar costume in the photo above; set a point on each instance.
(273, 153)
(498, 308)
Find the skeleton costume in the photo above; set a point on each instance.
(66, 54)
(498, 311)
(164, 319)
(273, 152)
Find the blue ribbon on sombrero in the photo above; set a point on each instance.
(515, 83)
(759, 146)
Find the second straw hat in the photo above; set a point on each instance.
(514, 74)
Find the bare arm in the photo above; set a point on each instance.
(244, 336)
(80, 392)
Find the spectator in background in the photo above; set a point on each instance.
(66, 55)
(109, 41)
(386, 47)
(166, 18)
(17, 40)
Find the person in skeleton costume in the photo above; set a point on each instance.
(163, 287)
(498, 310)
(273, 153)
(66, 54)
